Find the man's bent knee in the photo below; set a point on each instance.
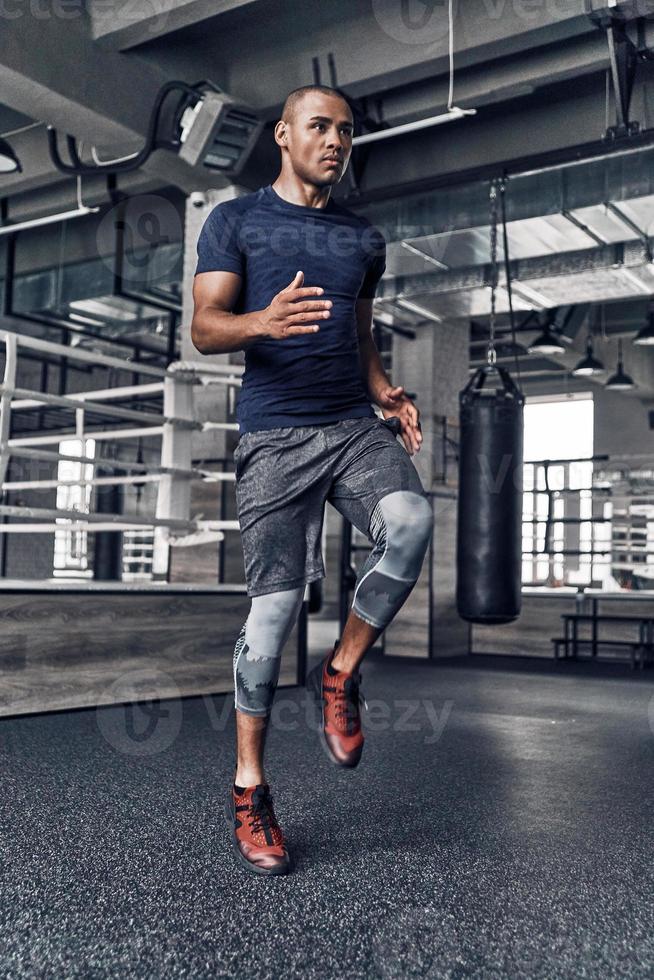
(404, 523)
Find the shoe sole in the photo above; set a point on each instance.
(314, 686)
(281, 869)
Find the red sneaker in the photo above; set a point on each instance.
(257, 838)
(339, 721)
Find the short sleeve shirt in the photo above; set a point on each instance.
(311, 378)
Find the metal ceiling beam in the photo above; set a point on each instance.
(526, 52)
(40, 72)
(398, 51)
(532, 138)
(630, 256)
(465, 205)
(500, 80)
(120, 26)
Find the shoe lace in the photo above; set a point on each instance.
(262, 815)
(347, 701)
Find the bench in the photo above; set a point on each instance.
(638, 649)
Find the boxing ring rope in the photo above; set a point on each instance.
(100, 462)
(171, 523)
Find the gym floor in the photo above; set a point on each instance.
(499, 825)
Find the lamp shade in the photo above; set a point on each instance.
(645, 336)
(9, 162)
(620, 380)
(589, 364)
(546, 343)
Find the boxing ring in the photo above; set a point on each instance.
(75, 644)
(171, 520)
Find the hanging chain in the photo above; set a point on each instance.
(491, 353)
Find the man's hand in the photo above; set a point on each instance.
(290, 310)
(393, 401)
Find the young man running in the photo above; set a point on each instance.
(289, 276)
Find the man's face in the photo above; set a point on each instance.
(319, 138)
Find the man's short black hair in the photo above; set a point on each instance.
(294, 98)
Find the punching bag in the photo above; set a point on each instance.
(489, 518)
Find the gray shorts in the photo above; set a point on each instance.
(285, 475)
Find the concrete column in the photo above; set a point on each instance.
(434, 366)
(211, 401)
(215, 402)
(174, 494)
(451, 373)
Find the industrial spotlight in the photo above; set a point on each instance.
(207, 128)
(588, 365)
(620, 381)
(9, 162)
(546, 342)
(218, 133)
(645, 336)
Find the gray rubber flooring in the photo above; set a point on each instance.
(499, 825)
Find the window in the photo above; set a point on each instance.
(565, 528)
(138, 548)
(71, 559)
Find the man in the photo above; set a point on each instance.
(289, 276)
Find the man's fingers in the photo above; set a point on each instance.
(309, 304)
(310, 315)
(295, 282)
(306, 291)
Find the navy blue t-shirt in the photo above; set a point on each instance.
(311, 378)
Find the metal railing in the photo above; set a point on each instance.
(171, 523)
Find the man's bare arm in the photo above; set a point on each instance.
(372, 368)
(216, 330)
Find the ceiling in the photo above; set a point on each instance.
(577, 235)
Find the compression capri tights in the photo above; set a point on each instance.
(400, 529)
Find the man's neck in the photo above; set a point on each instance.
(305, 195)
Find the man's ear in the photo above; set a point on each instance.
(280, 132)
